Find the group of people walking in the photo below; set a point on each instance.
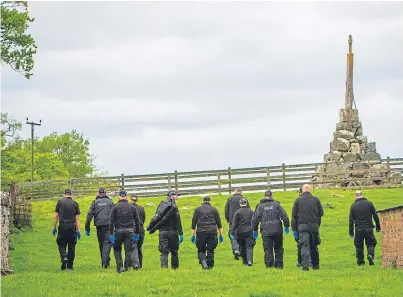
(122, 224)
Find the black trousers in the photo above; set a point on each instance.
(309, 242)
(270, 243)
(104, 244)
(67, 238)
(125, 237)
(234, 242)
(169, 243)
(246, 243)
(139, 252)
(370, 242)
(206, 243)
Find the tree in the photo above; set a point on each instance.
(72, 149)
(9, 128)
(17, 46)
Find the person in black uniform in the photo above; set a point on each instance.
(124, 228)
(167, 220)
(67, 213)
(207, 220)
(296, 235)
(241, 228)
(231, 206)
(361, 213)
(142, 217)
(308, 212)
(100, 210)
(272, 216)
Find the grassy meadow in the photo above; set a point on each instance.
(36, 263)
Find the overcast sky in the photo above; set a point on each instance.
(162, 86)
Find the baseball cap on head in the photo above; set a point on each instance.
(173, 192)
(243, 201)
(206, 199)
(134, 197)
(122, 193)
(67, 192)
(102, 191)
(268, 193)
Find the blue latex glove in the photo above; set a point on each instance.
(287, 230)
(78, 235)
(112, 238)
(377, 230)
(255, 235)
(221, 239)
(193, 239)
(352, 235)
(87, 233)
(136, 237)
(180, 238)
(232, 237)
(54, 231)
(295, 233)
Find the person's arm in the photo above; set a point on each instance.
(77, 218)
(235, 223)
(376, 218)
(112, 221)
(55, 219)
(195, 218)
(136, 218)
(284, 217)
(256, 219)
(143, 215)
(90, 215)
(218, 221)
(351, 221)
(227, 211)
(320, 213)
(295, 209)
(178, 222)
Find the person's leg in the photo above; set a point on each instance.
(304, 241)
(163, 247)
(249, 245)
(234, 246)
(242, 248)
(106, 247)
(314, 250)
(62, 241)
(212, 242)
(370, 242)
(140, 249)
(131, 252)
(278, 250)
(117, 251)
(201, 244)
(174, 249)
(268, 250)
(359, 246)
(71, 248)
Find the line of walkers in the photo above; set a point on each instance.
(123, 224)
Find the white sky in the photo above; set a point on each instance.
(159, 87)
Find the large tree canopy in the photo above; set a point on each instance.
(17, 46)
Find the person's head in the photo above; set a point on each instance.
(173, 195)
(122, 195)
(268, 194)
(243, 202)
(358, 195)
(238, 191)
(207, 199)
(134, 198)
(67, 193)
(306, 188)
(101, 192)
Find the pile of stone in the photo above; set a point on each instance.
(352, 160)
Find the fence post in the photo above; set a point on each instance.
(176, 180)
(122, 179)
(169, 183)
(388, 164)
(283, 169)
(219, 183)
(229, 180)
(268, 176)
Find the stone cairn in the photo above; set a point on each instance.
(352, 160)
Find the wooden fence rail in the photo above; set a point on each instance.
(282, 177)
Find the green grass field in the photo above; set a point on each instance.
(36, 263)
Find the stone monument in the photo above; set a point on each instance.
(350, 149)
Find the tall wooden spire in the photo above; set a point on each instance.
(349, 76)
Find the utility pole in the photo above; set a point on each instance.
(32, 145)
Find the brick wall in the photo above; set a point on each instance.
(392, 237)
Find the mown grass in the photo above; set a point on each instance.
(36, 263)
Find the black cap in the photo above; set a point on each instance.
(67, 192)
(102, 191)
(206, 199)
(173, 192)
(122, 193)
(243, 201)
(268, 193)
(134, 197)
